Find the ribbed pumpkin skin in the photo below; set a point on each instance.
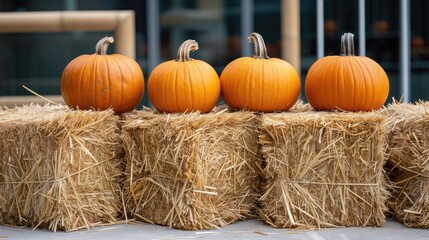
(184, 86)
(102, 82)
(259, 84)
(348, 82)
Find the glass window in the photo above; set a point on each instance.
(419, 50)
(37, 59)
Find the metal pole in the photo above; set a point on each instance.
(405, 51)
(362, 33)
(320, 33)
(246, 26)
(70, 5)
(153, 32)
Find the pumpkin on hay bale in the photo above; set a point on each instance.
(191, 171)
(101, 81)
(346, 82)
(323, 169)
(184, 84)
(408, 165)
(60, 169)
(260, 83)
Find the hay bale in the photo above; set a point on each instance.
(60, 169)
(323, 169)
(191, 171)
(408, 162)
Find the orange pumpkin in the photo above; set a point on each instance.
(100, 81)
(184, 84)
(260, 83)
(347, 82)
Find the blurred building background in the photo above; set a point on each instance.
(220, 27)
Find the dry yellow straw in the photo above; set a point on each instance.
(323, 169)
(191, 171)
(60, 169)
(408, 162)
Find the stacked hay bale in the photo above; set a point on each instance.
(408, 162)
(191, 171)
(60, 169)
(323, 169)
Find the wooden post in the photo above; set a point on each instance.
(125, 35)
(120, 22)
(290, 33)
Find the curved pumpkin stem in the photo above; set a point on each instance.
(260, 48)
(102, 45)
(347, 45)
(185, 49)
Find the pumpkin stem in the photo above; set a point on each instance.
(347, 45)
(260, 48)
(185, 49)
(102, 45)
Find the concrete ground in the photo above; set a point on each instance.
(250, 229)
